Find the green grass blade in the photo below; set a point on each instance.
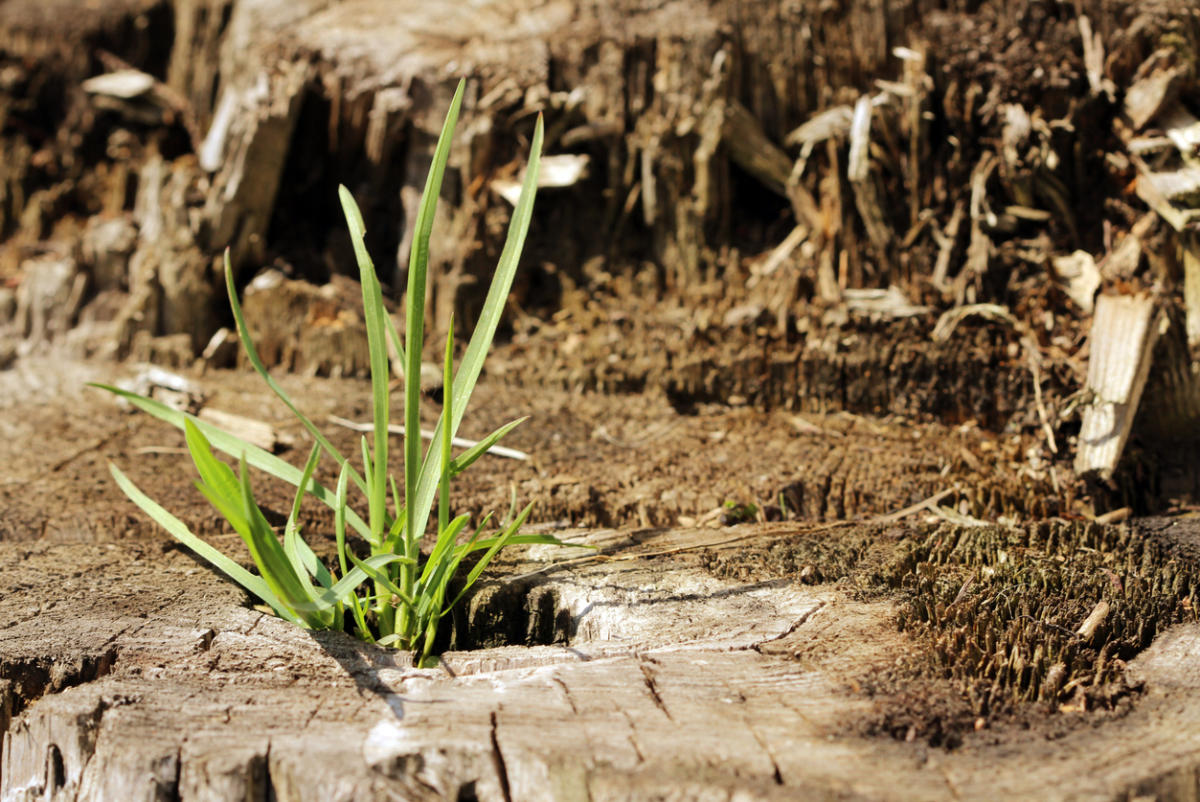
(178, 530)
(291, 530)
(497, 543)
(382, 579)
(447, 414)
(231, 511)
(369, 469)
(531, 540)
(391, 542)
(339, 528)
(469, 368)
(433, 595)
(506, 268)
(414, 330)
(304, 560)
(313, 565)
(260, 368)
(394, 336)
(342, 590)
(354, 220)
(218, 476)
(442, 549)
(339, 519)
(273, 563)
(236, 447)
(467, 458)
(374, 315)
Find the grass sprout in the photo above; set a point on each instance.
(397, 595)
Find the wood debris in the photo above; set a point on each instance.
(1080, 278)
(253, 431)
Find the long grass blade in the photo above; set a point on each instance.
(291, 530)
(414, 330)
(215, 474)
(467, 458)
(236, 447)
(421, 501)
(447, 414)
(529, 540)
(260, 368)
(178, 530)
(339, 520)
(354, 220)
(273, 563)
(374, 314)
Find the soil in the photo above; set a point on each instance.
(596, 460)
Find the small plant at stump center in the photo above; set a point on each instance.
(395, 596)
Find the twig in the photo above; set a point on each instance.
(96, 445)
(459, 442)
(928, 503)
(946, 239)
(1037, 400)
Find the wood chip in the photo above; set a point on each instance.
(256, 432)
(1090, 624)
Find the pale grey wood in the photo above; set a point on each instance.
(1124, 331)
(677, 685)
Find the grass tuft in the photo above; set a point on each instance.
(396, 596)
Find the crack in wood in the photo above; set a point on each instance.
(632, 737)
(652, 686)
(498, 758)
(557, 680)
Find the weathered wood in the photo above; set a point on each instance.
(760, 659)
(256, 432)
(307, 329)
(673, 682)
(673, 113)
(1124, 332)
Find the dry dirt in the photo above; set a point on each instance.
(596, 460)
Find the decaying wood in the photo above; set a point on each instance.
(1124, 332)
(1095, 618)
(1191, 288)
(1081, 278)
(722, 140)
(307, 329)
(866, 193)
(673, 682)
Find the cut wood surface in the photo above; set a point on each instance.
(143, 676)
